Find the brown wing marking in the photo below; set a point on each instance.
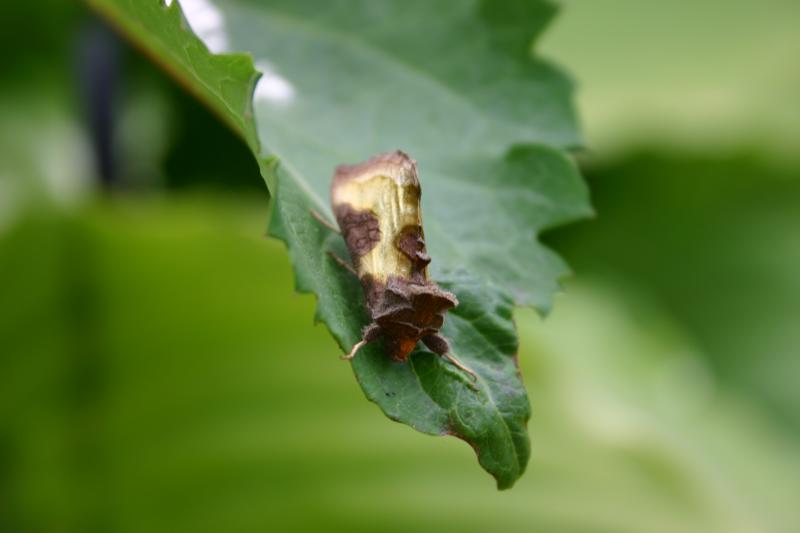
(361, 230)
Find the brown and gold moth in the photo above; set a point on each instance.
(377, 207)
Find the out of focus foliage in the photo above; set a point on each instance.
(713, 239)
(157, 373)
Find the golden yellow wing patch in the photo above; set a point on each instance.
(376, 203)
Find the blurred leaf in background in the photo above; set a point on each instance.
(157, 372)
(714, 239)
(160, 394)
(694, 76)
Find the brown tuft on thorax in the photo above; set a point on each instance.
(407, 311)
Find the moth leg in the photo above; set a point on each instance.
(439, 345)
(357, 346)
(347, 266)
(371, 332)
(324, 221)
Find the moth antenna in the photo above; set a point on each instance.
(450, 357)
(324, 221)
(343, 263)
(357, 346)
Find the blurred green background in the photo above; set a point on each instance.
(158, 373)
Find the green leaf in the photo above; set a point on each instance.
(457, 86)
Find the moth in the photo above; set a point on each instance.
(377, 207)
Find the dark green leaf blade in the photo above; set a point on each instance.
(457, 86)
